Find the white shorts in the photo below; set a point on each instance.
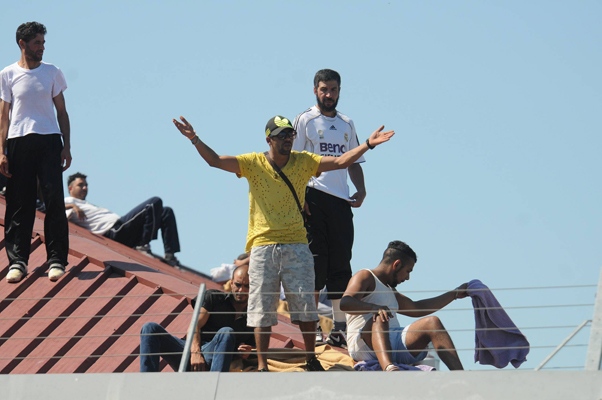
(269, 266)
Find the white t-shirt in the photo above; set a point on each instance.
(326, 136)
(98, 220)
(30, 93)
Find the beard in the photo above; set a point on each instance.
(240, 299)
(284, 151)
(324, 108)
(30, 54)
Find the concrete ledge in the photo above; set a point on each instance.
(473, 385)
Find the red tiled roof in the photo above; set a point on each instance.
(90, 319)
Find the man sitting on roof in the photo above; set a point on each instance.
(135, 229)
(221, 330)
(373, 331)
(223, 273)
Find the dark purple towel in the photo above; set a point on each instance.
(498, 340)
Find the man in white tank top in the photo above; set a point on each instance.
(373, 331)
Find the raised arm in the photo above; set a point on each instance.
(424, 307)
(377, 137)
(227, 163)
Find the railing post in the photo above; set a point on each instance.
(195, 317)
(594, 349)
(561, 345)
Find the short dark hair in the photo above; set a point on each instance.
(74, 177)
(29, 30)
(242, 256)
(398, 250)
(325, 75)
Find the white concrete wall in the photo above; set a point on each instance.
(464, 385)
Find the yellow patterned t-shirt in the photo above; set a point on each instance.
(273, 213)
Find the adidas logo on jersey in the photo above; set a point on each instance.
(332, 128)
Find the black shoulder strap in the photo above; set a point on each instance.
(285, 179)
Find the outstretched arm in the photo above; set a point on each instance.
(377, 137)
(424, 307)
(227, 163)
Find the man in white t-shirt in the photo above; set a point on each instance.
(34, 146)
(135, 229)
(323, 130)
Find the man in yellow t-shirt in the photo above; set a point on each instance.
(276, 236)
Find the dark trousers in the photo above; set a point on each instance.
(34, 158)
(331, 228)
(141, 225)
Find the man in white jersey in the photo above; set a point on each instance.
(34, 146)
(325, 131)
(373, 331)
(276, 237)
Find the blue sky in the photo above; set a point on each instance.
(494, 173)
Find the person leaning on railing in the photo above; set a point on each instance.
(221, 331)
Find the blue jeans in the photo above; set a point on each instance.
(155, 342)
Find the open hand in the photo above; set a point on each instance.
(184, 127)
(378, 136)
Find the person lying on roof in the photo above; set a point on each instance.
(135, 229)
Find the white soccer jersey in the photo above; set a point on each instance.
(326, 136)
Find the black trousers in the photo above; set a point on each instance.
(34, 158)
(141, 225)
(331, 227)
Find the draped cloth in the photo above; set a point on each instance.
(497, 339)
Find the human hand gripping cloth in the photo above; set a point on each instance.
(497, 340)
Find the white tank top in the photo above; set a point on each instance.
(382, 295)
